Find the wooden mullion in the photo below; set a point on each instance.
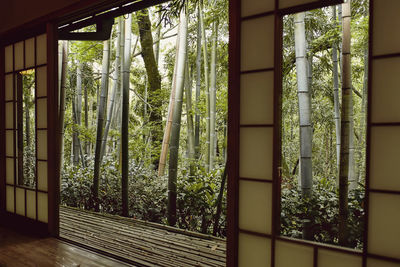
(256, 70)
(233, 133)
(36, 146)
(368, 135)
(260, 15)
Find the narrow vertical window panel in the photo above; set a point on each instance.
(30, 53)
(380, 263)
(329, 258)
(31, 204)
(41, 81)
(9, 115)
(10, 198)
(385, 90)
(254, 7)
(10, 171)
(41, 107)
(254, 251)
(10, 143)
(20, 201)
(42, 144)
(41, 49)
(257, 43)
(385, 158)
(42, 175)
(42, 207)
(256, 153)
(383, 227)
(19, 55)
(256, 98)
(255, 206)
(9, 93)
(9, 58)
(289, 254)
(386, 18)
(292, 3)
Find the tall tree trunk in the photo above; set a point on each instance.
(158, 35)
(75, 139)
(125, 117)
(86, 109)
(304, 114)
(361, 142)
(189, 116)
(336, 104)
(114, 90)
(171, 106)
(79, 107)
(198, 87)
(154, 81)
(176, 126)
(219, 202)
(207, 85)
(346, 118)
(213, 94)
(61, 111)
(100, 120)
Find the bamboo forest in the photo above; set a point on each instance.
(145, 119)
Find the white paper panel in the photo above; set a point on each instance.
(329, 258)
(256, 98)
(386, 18)
(42, 144)
(9, 171)
(256, 153)
(379, 263)
(8, 64)
(41, 113)
(10, 143)
(41, 82)
(42, 175)
(30, 52)
(254, 251)
(253, 7)
(288, 254)
(20, 201)
(385, 90)
(9, 87)
(9, 115)
(19, 55)
(255, 206)
(383, 228)
(292, 3)
(10, 198)
(41, 49)
(31, 204)
(257, 43)
(42, 207)
(385, 158)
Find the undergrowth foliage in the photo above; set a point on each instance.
(196, 203)
(323, 209)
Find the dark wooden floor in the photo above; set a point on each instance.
(22, 250)
(144, 243)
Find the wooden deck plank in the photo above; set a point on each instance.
(147, 243)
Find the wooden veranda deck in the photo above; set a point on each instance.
(146, 244)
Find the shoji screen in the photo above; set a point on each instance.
(26, 203)
(384, 131)
(255, 88)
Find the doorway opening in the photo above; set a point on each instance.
(144, 135)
